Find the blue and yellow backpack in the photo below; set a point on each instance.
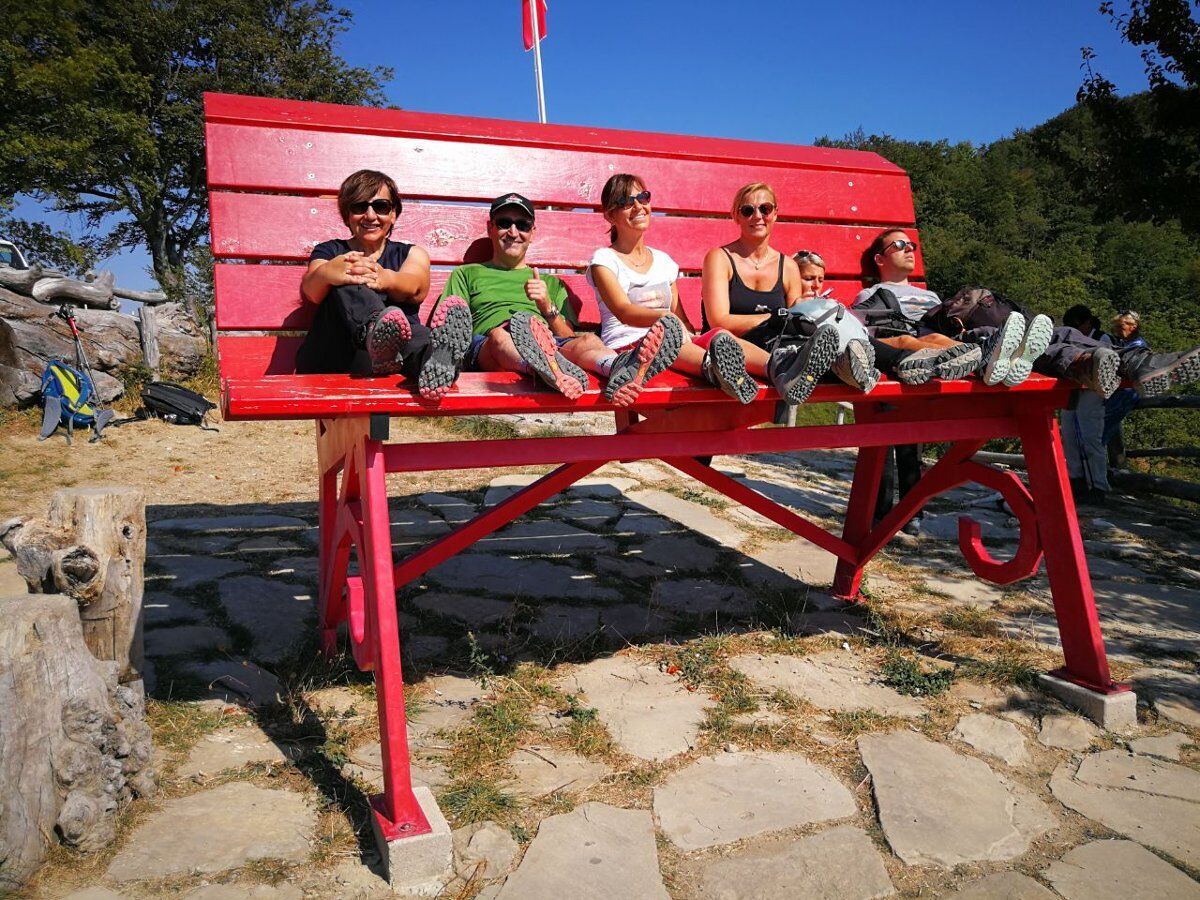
(69, 398)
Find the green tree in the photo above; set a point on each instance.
(101, 107)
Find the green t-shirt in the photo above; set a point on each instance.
(494, 294)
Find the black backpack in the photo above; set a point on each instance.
(173, 403)
(881, 311)
(972, 307)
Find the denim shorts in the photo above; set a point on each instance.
(471, 359)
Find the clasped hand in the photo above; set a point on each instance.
(358, 268)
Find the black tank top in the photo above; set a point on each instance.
(745, 301)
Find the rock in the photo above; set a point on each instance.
(546, 536)
(185, 572)
(274, 612)
(650, 714)
(1180, 709)
(698, 597)
(251, 822)
(1167, 824)
(238, 682)
(1167, 746)
(722, 799)
(538, 771)
(987, 696)
(676, 553)
(447, 702)
(483, 843)
(692, 515)
(965, 592)
(595, 852)
(180, 639)
(454, 510)
(338, 701)
(1004, 886)
(594, 514)
(477, 612)
(1067, 732)
(994, 737)
(203, 525)
(245, 891)
(828, 680)
(1118, 870)
(1118, 769)
(520, 577)
(643, 522)
(232, 748)
(837, 864)
(160, 608)
(783, 564)
(938, 807)
(11, 581)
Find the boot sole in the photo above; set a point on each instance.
(535, 344)
(390, 334)
(1108, 375)
(1184, 370)
(824, 351)
(916, 368)
(729, 368)
(1034, 344)
(957, 362)
(856, 366)
(450, 333)
(658, 348)
(999, 361)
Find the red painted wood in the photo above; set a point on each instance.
(304, 161)
(236, 109)
(267, 298)
(970, 534)
(264, 226)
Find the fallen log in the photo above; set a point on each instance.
(1156, 484)
(97, 294)
(147, 298)
(1169, 452)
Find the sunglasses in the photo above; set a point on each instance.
(747, 210)
(626, 202)
(503, 223)
(898, 245)
(381, 207)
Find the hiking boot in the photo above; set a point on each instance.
(1000, 347)
(536, 345)
(796, 369)
(1034, 344)
(1154, 373)
(856, 366)
(450, 336)
(1096, 370)
(917, 366)
(957, 362)
(630, 371)
(385, 337)
(724, 365)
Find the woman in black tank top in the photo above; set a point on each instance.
(747, 280)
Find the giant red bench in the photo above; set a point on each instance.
(273, 172)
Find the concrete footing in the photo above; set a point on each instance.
(1113, 712)
(419, 866)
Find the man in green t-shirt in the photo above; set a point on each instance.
(523, 321)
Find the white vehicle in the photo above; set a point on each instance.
(10, 255)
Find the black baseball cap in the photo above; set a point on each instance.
(511, 200)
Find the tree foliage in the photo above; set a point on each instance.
(101, 108)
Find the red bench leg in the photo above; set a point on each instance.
(329, 606)
(1086, 663)
(868, 472)
(396, 810)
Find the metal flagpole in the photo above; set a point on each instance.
(537, 60)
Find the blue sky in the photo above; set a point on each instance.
(775, 70)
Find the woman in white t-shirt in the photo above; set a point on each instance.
(635, 286)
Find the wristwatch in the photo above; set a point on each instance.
(552, 315)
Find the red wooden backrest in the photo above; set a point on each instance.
(274, 167)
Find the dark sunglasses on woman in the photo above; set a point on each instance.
(626, 202)
(382, 207)
(503, 223)
(747, 210)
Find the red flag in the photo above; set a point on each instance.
(527, 21)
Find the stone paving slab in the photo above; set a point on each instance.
(175, 640)
(1166, 824)
(305, 568)
(159, 607)
(699, 597)
(538, 771)
(520, 578)
(837, 864)
(548, 536)
(595, 852)
(676, 553)
(692, 515)
(478, 612)
(966, 592)
(646, 523)
(833, 680)
(1118, 769)
(784, 563)
(725, 798)
(268, 543)
(992, 736)
(938, 807)
(186, 572)
(791, 492)
(455, 510)
(589, 513)
(366, 763)
(560, 624)
(232, 748)
(1149, 608)
(215, 830)
(1067, 732)
(1118, 870)
(236, 681)
(447, 702)
(274, 612)
(484, 843)
(203, 525)
(649, 714)
(245, 891)
(1167, 746)
(1004, 886)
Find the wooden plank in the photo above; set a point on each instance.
(267, 298)
(310, 162)
(236, 109)
(265, 226)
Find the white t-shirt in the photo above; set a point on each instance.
(914, 301)
(651, 288)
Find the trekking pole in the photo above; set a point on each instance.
(103, 415)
